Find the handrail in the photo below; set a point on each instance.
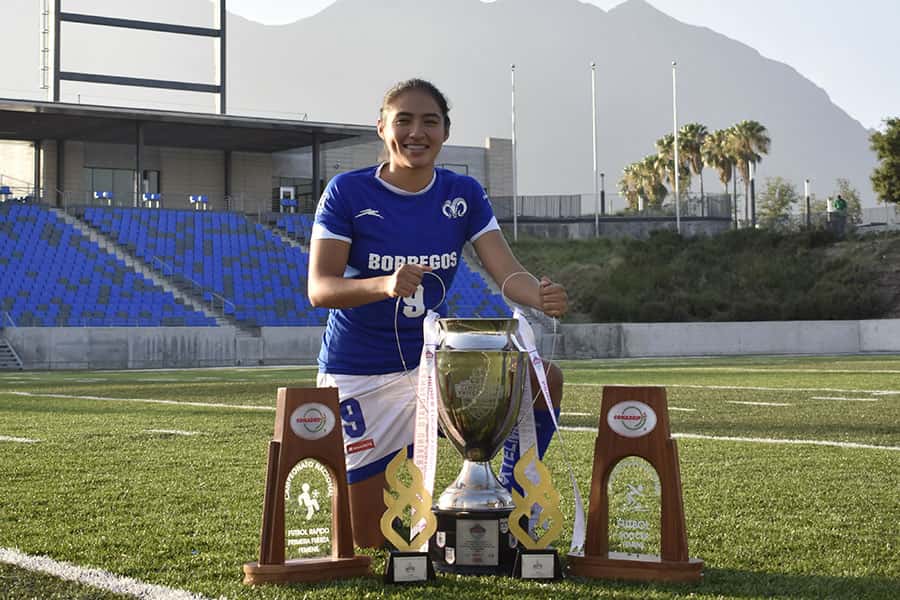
(7, 317)
(196, 286)
(163, 264)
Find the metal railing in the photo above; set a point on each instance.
(215, 301)
(6, 320)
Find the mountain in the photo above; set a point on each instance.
(335, 66)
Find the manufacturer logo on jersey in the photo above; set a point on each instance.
(368, 212)
(453, 209)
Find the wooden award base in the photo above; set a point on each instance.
(634, 421)
(307, 426)
(307, 570)
(636, 567)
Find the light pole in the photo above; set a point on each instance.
(594, 131)
(512, 71)
(676, 169)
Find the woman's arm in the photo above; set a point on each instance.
(498, 259)
(327, 287)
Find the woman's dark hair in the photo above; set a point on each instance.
(418, 84)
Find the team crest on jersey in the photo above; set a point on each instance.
(453, 209)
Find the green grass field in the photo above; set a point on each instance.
(109, 483)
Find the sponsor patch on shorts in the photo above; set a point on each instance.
(361, 445)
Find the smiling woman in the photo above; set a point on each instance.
(378, 231)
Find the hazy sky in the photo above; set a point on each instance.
(850, 49)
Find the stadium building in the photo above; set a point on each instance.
(144, 238)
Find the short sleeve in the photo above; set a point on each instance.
(481, 214)
(332, 221)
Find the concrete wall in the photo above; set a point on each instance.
(161, 347)
(630, 340)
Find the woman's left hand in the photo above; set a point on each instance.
(554, 300)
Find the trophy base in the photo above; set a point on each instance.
(307, 570)
(538, 564)
(635, 567)
(473, 542)
(408, 567)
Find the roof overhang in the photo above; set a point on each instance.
(30, 121)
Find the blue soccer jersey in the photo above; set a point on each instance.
(386, 228)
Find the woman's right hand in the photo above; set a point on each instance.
(405, 280)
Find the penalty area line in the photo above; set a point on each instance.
(96, 578)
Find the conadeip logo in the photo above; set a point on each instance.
(631, 419)
(312, 421)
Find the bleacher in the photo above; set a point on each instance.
(470, 296)
(52, 275)
(262, 278)
(296, 226)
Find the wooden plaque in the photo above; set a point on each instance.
(307, 425)
(635, 431)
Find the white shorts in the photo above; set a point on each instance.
(378, 414)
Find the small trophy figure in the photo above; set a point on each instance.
(534, 559)
(407, 564)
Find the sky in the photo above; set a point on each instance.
(850, 49)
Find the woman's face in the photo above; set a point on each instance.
(412, 128)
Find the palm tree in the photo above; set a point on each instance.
(630, 185)
(665, 151)
(690, 141)
(716, 153)
(749, 140)
(651, 171)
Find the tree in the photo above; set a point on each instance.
(749, 140)
(630, 185)
(651, 171)
(716, 152)
(690, 140)
(776, 202)
(886, 176)
(665, 151)
(851, 196)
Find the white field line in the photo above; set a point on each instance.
(147, 400)
(682, 409)
(576, 414)
(6, 438)
(95, 578)
(846, 399)
(759, 403)
(721, 438)
(172, 431)
(740, 387)
(699, 436)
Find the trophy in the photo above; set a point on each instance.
(634, 422)
(480, 376)
(306, 533)
(535, 560)
(407, 564)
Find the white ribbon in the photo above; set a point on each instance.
(526, 343)
(425, 439)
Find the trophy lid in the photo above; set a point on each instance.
(478, 334)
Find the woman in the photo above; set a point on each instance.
(386, 232)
